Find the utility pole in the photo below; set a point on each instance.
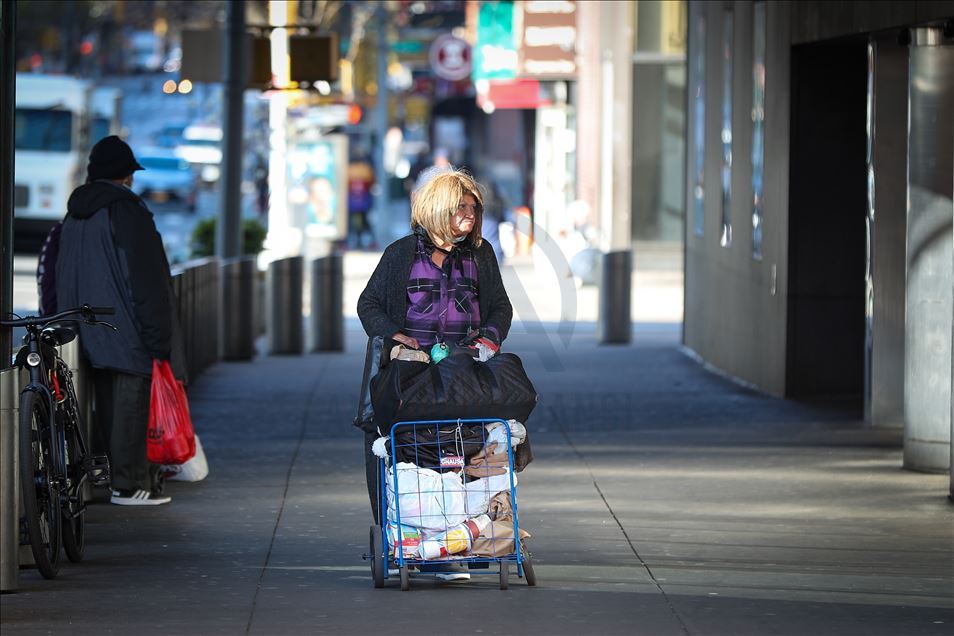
(382, 204)
(8, 87)
(229, 231)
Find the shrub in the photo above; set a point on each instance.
(203, 237)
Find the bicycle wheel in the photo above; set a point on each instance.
(74, 519)
(41, 501)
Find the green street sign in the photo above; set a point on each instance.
(495, 54)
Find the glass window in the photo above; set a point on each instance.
(99, 128)
(699, 119)
(725, 240)
(44, 129)
(758, 125)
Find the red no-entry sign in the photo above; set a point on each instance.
(450, 57)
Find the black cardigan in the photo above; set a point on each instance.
(382, 306)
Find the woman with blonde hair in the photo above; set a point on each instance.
(440, 285)
(441, 282)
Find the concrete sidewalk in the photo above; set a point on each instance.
(663, 500)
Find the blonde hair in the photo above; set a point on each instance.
(435, 203)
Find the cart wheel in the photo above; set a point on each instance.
(528, 572)
(504, 575)
(377, 556)
(405, 579)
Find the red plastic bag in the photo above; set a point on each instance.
(170, 438)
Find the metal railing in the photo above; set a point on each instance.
(197, 288)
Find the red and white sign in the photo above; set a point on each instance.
(452, 461)
(450, 57)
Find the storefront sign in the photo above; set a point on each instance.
(547, 47)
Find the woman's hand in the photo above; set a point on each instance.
(407, 341)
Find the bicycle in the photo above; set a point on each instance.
(55, 462)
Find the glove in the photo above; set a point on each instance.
(485, 335)
(484, 341)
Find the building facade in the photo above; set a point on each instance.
(819, 241)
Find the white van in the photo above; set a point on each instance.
(105, 111)
(51, 147)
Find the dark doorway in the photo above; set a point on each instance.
(827, 190)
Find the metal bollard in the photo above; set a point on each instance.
(285, 324)
(327, 298)
(238, 308)
(615, 324)
(9, 481)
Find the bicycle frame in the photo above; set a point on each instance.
(39, 384)
(42, 377)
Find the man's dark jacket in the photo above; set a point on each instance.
(111, 255)
(382, 306)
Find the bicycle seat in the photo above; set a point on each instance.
(57, 335)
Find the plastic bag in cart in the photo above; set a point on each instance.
(481, 491)
(428, 499)
(404, 537)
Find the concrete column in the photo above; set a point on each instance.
(327, 298)
(887, 184)
(9, 480)
(228, 242)
(379, 119)
(616, 78)
(930, 294)
(238, 308)
(616, 156)
(588, 107)
(285, 324)
(283, 238)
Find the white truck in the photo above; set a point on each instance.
(105, 111)
(51, 148)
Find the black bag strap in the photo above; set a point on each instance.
(372, 363)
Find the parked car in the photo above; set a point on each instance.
(169, 136)
(202, 147)
(166, 177)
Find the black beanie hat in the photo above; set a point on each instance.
(111, 158)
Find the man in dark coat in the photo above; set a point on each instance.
(112, 255)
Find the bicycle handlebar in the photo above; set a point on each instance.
(89, 313)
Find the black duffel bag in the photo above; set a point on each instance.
(458, 387)
(429, 445)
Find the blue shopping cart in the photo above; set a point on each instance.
(427, 507)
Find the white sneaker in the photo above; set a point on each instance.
(137, 498)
